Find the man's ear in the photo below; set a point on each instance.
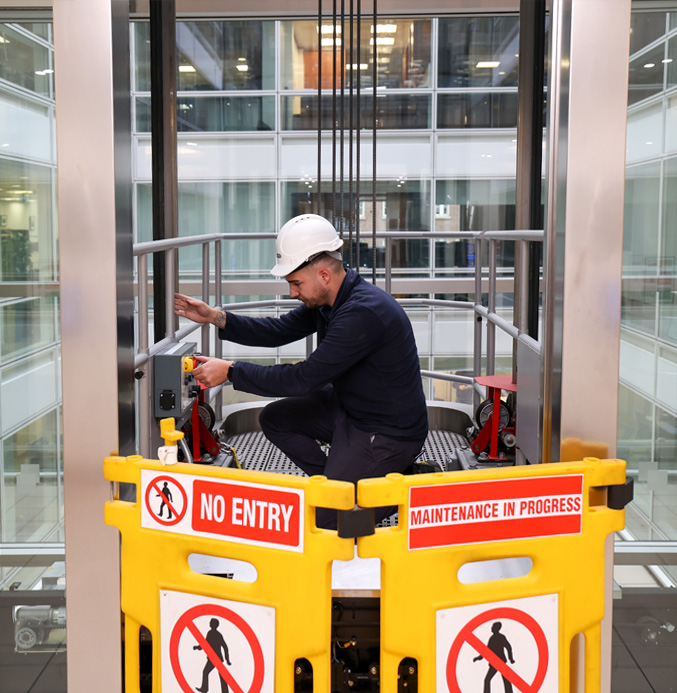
(324, 274)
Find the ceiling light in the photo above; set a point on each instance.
(48, 72)
(384, 28)
(667, 60)
(650, 65)
(191, 144)
(40, 72)
(186, 68)
(330, 42)
(4, 40)
(383, 41)
(329, 29)
(6, 144)
(363, 66)
(488, 63)
(649, 142)
(242, 60)
(242, 68)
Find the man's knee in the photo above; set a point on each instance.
(270, 417)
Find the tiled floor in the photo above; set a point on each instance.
(644, 654)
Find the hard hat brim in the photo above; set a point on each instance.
(282, 270)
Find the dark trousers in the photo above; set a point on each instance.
(295, 424)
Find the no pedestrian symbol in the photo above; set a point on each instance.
(166, 500)
(509, 645)
(215, 651)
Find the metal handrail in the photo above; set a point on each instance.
(171, 246)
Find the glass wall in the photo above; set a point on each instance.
(647, 418)
(31, 460)
(446, 112)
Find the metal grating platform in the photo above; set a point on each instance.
(255, 452)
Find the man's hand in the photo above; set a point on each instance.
(212, 372)
(198, 311)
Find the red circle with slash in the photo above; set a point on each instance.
(187, 622)
(154, 485)
(467, 635)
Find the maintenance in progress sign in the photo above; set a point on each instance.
(495, 510)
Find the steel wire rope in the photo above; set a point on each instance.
(319, 107)
(351, 125)
(342, 119)
(333, 120)
(373, 171)
(358, 134)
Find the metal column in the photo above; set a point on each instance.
(85, 129)
(163, 138)
(124, 233)
(584, 234)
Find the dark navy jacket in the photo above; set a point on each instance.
(366, 350)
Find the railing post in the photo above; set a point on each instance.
(218, 301)
(491, 307)
(477, 354)
(205, 295)
(144, 382)
(388, 265)
(170, 284)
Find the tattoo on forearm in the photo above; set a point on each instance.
(220, 319)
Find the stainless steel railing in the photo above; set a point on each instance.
(170, 247)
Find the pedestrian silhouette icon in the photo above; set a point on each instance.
(500, 646)
(218, 645)
(166, 496)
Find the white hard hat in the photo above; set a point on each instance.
(301, 239)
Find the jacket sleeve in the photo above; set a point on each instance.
(269, 332)
(352, 335)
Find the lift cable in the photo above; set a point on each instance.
(351, 125)
(319, 107)
(342, 118)
(357, 137)
(333, 120)
(373, 174)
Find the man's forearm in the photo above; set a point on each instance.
(219, 318)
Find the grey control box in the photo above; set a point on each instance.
(171, 386)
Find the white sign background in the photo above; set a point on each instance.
(150, 520)
(469, 674)
(261, 619)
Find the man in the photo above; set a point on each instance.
(360, 390)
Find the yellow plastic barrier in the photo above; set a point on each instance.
(250, 632)
(551, 522)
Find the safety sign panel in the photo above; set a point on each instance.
(216, 645)
(495, 510)
(242, 512)
(513, 643)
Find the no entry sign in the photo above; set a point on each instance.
(208, 642)
(495, 510)
(243, 512)
(513, 640)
